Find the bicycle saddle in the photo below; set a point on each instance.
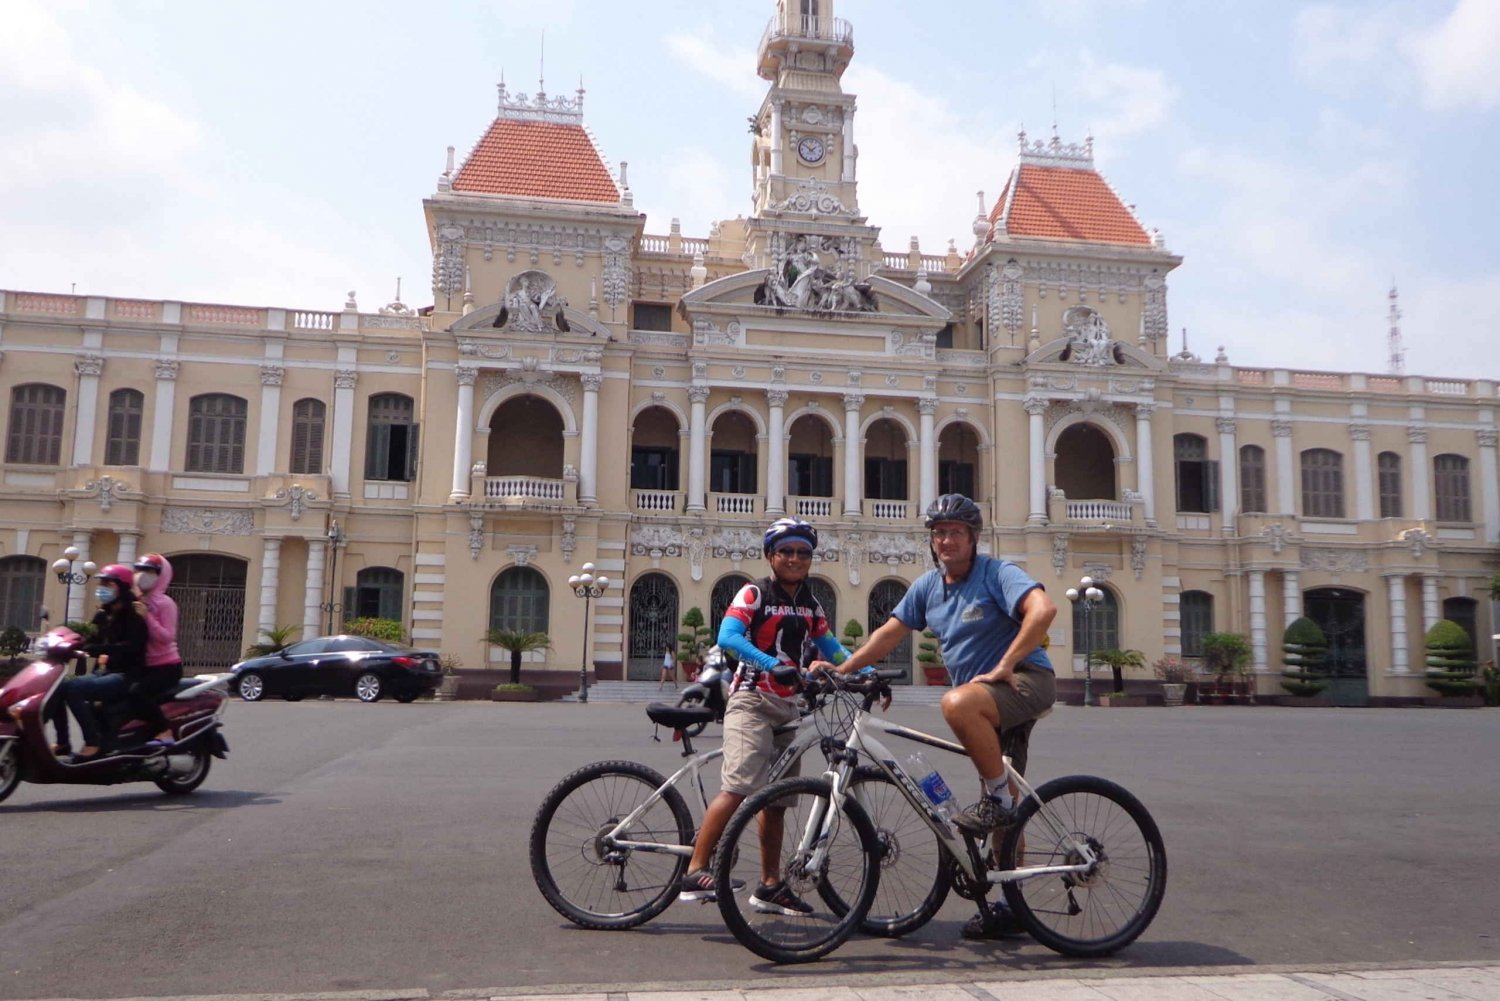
(678, 717)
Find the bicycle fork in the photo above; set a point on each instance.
(811, 854)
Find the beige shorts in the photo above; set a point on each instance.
(750, 741)
(1035, 691)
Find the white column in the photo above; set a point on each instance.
(1291, 598)
(1364, 480)
(88, 367)
(776, 453)
(129, 547)
(270, 419)
(1489, 485)
(697, 446)
(1229, 469)
(1258, 619)
(312, 615)
(1144, 462)
(1431, 611)
(848, 148)
(1037, 461)
(1285, 497)
(162, 415)
(1421, 493)
(270, 583)
(927, 450)
(588, 453)
(80, 591)
(775, 137)
(1396, 585)
(853, 457)
(343, 427)
(463, 431)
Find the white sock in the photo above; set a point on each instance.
(999, 789)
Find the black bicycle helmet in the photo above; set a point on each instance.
(955, 507)
(789, 528)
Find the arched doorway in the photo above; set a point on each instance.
(526, 439)
(827, 596)
(884, 597)
(1340, 613)
(1085, 465)
(210, 595)
(653, 625)
(720, 599)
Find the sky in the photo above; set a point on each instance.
(1300, 157)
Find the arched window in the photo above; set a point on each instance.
(519, 601)
(122, 436)
(719, 600)
(22, 579)
(216, 434)
(884, 597)
(1450, 482)
(308, 417)
(829, 599)
(1322, 483)
(1389, 466)
(1103, 623)
(36, 424)
(391, 438)
(1252, 479)
(1464, 612)
(1197, 476)
(1197, 608)
(376, 594)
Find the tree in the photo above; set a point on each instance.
(388, 630)
(517, 641)
(278, 638)
(1450, 660)
(1225, 655)
(1303, 650)
(13, 643)
(693, 641)
(1117, 661)
(853, 634)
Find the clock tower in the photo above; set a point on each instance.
(802, 151)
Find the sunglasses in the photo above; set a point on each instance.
(796, 554)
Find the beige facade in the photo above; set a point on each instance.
(585, 391)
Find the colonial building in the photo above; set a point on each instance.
(582, 390)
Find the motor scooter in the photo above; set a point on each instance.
(709, 688)
(193, 710)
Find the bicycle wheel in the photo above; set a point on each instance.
(1096, 913)
(803, 925)
(585, 880)
(914, 876)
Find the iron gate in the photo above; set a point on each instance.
(1340, 613)
(210, 596)
(884, 597)
(653, 625)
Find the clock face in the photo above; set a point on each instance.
(810, 149)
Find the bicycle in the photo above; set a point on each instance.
(1083, 868)
(611, 841)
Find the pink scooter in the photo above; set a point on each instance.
(192, 709)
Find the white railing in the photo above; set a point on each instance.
(656, 500)
(1250, 376)
(537, 487)
(734, 503)
(1448, 387)
(41, 302)
(931, 263)
(305, 320)
(1098, 510)
(1383, 384)
(237, 315)
(789, 23)
(135, 309)
(1317, 380)
(887, 510)
(653, 244)
(812, 507)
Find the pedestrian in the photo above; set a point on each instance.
(992, 619)
(773, 622)
(668, 668)
(153, 575)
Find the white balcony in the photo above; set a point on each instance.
(1098, 510)
(523, 488)
(810, 507)
(732, 503)
(657, 500)
(888, 510)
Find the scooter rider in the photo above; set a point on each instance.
(120, 646)
(153, 575)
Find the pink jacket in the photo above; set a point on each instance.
(161, 623)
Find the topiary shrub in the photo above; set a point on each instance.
(1303, 650)
(693, 641)
(930, 656)
(13, 642)
(387, 630)
(1450, 660)
(853, 634)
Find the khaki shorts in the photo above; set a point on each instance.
(750, 743)
(1035, 691)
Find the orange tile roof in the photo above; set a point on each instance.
(1065, 203)
(530, 159)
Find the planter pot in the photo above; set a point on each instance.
(1117, 701)
(1172, 693)
(513, 696)
(447, 689)
(935, 675)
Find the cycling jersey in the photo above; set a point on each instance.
(766, 628)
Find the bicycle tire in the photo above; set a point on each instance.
(914, 872)
(1099, 913)
(594, 886)
(849, 874)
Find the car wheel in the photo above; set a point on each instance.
(406, 697)
(252, 687)
(368, 687)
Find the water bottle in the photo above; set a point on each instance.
(932, 786)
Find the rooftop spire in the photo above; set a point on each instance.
(1397, 351)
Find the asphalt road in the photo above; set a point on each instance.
(350, 847)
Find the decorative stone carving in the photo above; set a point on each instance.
(531, 376)
(345, 378)
(738, 371)
(700, 371)
(927, 406)
(815, 377)
(448, 269)
(88, 364)
(894, 550)
(107, 489)
(1419, 540)
(616, 273)
(1224, 425)
(476, 533)
(296, 497)
(206, 521)
(521, 555)
(272, 375)
(655, 541)
(1334, 560)
(570, 473)
(1154, 312)
(735, 545)
(1089, 341)
(479, 468)
(532, 304)
(854, 547)
(466, 375)
(1101, 572)
(591, 381)
(778, 373)
(798, 278)
(1143, 411)
(1138, 556)
(697, 547)
(922, 346)
(1359, 432)
(777, 397)
(498, 352)
(166, 369)
(569, 541)
(853, 401)
(1278, 536)
(1059, 554)
(812, 197)
(1011, 304)
(1035, 406)
(1281, 428)
(1486, 437)
(1416, 435)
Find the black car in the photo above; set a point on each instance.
(339, 665)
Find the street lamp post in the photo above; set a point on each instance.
(335, 540)
(67, 576)
(588, 587)
(1090, 596)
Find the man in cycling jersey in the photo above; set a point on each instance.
(991, 618)
(773, 622)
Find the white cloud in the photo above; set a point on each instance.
(1343, 49)
(1122, 100)
(1455, 60)
(723, 64)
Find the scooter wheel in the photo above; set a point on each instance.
(182, 783)
(10, 769)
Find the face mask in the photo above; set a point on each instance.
(104, 594)
(145, 580)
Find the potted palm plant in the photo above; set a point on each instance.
(1117, 661)
(518, 642)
